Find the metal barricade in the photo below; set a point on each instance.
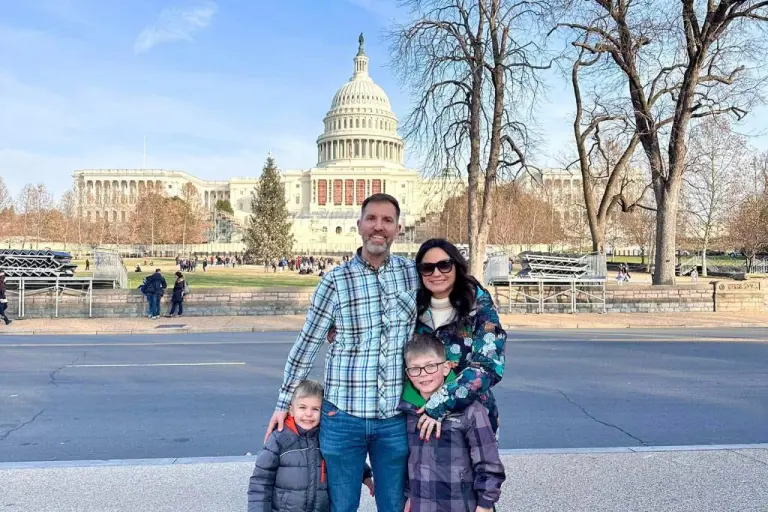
(31, 286)
(538, 295)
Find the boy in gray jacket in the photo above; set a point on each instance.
(461, 470)
(290, 472)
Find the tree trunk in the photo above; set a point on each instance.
(704, 258)
(667, 197)
(597, 230)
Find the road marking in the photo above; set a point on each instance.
(151, 365)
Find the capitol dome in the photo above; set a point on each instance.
(360, 124)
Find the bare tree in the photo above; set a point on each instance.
(639, 227)
(33, 204)
(678, 61)
(470, 65)
(715, 180)
(606, 140)
(6, 210)
(193, 223)
(150, 217)
(748, 227)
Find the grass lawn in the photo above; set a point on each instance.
(214, 277)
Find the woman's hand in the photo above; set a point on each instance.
(427, 425)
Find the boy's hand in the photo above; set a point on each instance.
(426, 425)
(483, 509)
(277, 420)
(368, 482)
(407, 505)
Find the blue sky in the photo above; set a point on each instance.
(214, 85)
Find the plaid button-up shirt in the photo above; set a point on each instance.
(373, 321)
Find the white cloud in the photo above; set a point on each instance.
(175, 24)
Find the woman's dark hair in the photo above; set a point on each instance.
(179, 274)
(464, 291)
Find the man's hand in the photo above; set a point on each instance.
(483, 509)
(426, 425)
(368, 482)
(277, 420)
(407, 505)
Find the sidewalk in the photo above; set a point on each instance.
(208, 324)
(721, 480)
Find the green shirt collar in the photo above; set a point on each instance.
(412, 395)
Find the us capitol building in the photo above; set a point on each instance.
(359, 153)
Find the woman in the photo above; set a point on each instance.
(452, 304)
(177, 299)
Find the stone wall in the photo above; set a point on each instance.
(736, 296)
(730, 296)
(727, 296)
(205, 302)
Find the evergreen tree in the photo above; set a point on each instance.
(268, 234)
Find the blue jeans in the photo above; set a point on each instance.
(177, 304)
(345, 440)
(154, 305)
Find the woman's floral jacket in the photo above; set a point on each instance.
(475, 349)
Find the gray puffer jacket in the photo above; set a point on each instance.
(290, 473)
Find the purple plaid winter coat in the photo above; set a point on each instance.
(459, 471)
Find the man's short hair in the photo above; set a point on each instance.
(157, 270)
(424, 345)
(307, 388)
(382, 198)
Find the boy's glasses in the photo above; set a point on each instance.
(427, 269)
(415, 371)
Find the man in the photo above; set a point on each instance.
(154, 288)
(364, 366)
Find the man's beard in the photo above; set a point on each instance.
(377, 249)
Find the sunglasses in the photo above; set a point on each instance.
(427, 269)
(415, 371)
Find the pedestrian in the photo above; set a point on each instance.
(290, 473)
(87, 265)
(471, 478)
(364, 371)
(180, 289)
(694, 275)
(452, 305)
(153, 288)
(3, 299)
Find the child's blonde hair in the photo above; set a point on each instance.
(307, 388)
(424, 344)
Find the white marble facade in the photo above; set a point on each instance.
(359, 153)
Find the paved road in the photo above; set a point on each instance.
(127, 397)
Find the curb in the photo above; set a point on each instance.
(252, 458)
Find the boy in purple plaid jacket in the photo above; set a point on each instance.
(460, 471)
